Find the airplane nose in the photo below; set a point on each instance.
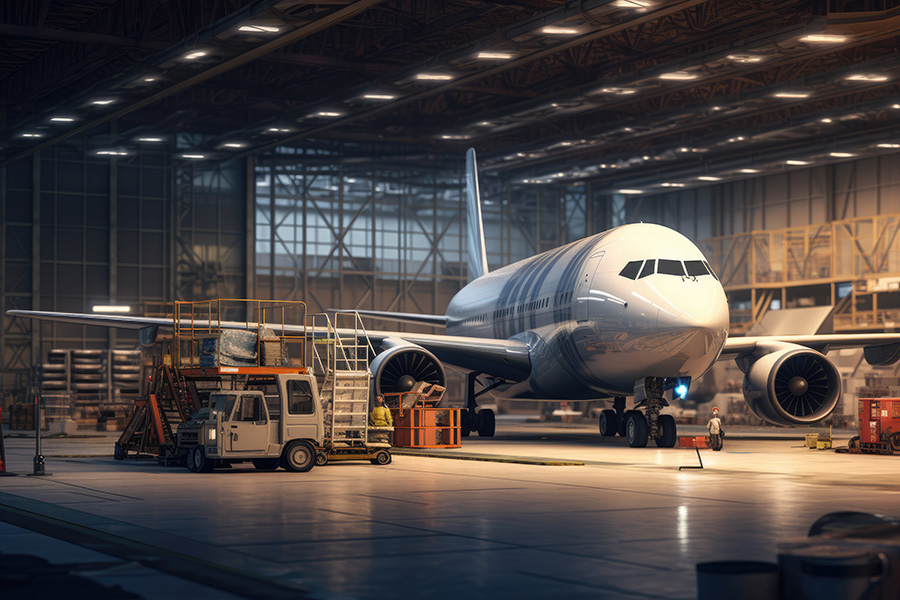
(696, 330)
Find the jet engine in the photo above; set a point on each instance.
(786, 384)
(402, 364)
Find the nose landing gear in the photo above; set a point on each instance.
(640, 427)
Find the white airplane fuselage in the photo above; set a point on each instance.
(595, 327)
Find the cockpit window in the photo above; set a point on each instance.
(648, 269)
(695, 268)
(631, 269)
(670, 267)
(711, 272)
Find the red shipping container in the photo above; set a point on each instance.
(879, 420)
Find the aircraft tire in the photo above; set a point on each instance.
(487, 423)
(465, 422)
(636, 430)
(609, 423)
(669, 432)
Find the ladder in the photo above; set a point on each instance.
(341, 355)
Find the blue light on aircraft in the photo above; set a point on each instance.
(681, 390)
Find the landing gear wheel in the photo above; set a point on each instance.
(382, 457)
(486, 423)
(265, 464)
(668, 432)
(321, 459)
(197, 461)
(299, 456)
(465, 422)
(609, 423)
(636, 429)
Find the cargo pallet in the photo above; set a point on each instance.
(419, 422)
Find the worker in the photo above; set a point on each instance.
(380, 415)
(716, 433)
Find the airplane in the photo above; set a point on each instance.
(633, 311)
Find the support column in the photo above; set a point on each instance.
(250, 230)
(35, 256)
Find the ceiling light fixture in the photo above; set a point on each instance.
(551, 30)
(824, 38)
(111, 153)
(489, 55)
(671, 184)
(679, 76)
(434, 77)
(150, 139)
(749, 170)
(825, 120)
(631, 192)
(102, 102)
(195, 55)
(454, 136)
(259, 29)
(278, 130)
(233, 145)
(887, 145)
(149, 79)
(709, 178)
(639, 4)
(194, 156)
(793, 95)
(618, 91)
(110, 308)
(62, 119)
(873, 77)
(841, 154)
(328, 113)
(796, 163)
(32, 135)
(744, 58)
(379, 96)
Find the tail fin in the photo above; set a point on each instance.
(477, 263)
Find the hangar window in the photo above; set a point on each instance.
(695, 268)
(649, 268)
(631, 270)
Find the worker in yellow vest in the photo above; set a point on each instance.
(380, 415)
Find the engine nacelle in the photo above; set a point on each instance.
(786, 384)
(402, 364)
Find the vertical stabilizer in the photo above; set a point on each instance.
(477, 263)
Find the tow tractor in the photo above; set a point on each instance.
(276, 397)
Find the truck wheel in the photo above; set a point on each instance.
(382, 457)
(265, 464)
(321, 459)
(197, 461)
(299, 456)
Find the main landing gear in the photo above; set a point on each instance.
(470, 418)
(640, 427)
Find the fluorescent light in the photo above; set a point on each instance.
(328, 113)
(495, 55)
(193, 156)
(709, 178)
(841, 154)
(792, 95)
(149, 79)
(618, 91)
(486, 124)
(679, 76)
(103, 102)
(454, 136)
(749, 170)
(824, 38)
(866, 77)
(111, 153)
(886, 145)
(278, 130)
(641, 4)
(671, 184)
(110, 308)
(551, 30)
(685, 149)
(630, 192)
(796, 163)
(744, 58)
(434, 77)
(150, 139)
(895, 105)
(825, 120)
(62, 119)
(32, 135)
(233, 145)
(259, 29)
(195, 55)
(379, 96)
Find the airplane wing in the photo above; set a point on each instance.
(400, 317)
(507, 359)
(736, 346)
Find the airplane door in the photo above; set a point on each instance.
(248, 426)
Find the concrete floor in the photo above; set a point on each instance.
(624, 524)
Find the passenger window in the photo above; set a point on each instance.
(711, 272)
(250, 410)
(670, 267)
(631, 269)
(300, 399)
(649, 268)
(695, 268)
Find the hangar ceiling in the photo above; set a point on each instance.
(631, 93)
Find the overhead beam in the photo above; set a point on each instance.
(332, 18)
(64, 35)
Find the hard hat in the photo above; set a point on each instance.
(715, 409)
